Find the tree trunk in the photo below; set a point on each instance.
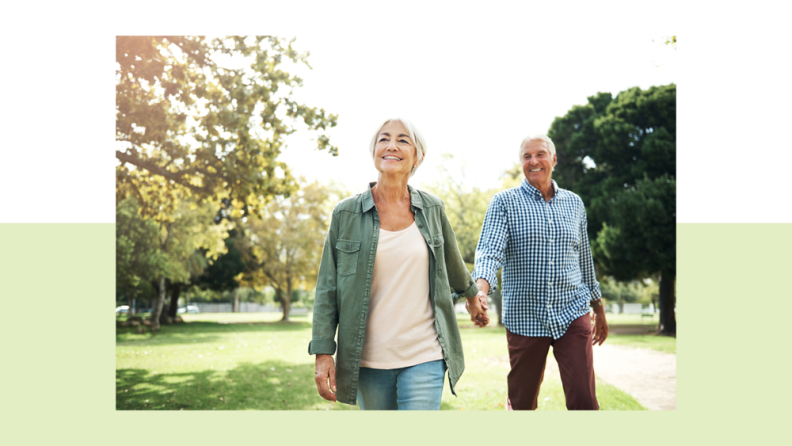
(156, 309)
(285, 302)
(667, 302)
(174, 302)
(130, 304)
(235, 309)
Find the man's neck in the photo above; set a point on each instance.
(546, 189)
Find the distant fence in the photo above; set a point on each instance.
(244, 307)
(632, 308)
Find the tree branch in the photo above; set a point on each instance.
(176, 177)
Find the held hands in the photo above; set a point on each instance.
(325, 369)
(477, 307)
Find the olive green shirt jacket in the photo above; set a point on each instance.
(343, 287)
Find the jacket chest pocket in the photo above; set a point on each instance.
(348, 251)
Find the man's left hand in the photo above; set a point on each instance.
(600, 330)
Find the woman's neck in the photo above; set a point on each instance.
(391, 190)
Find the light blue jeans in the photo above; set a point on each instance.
(419, 387)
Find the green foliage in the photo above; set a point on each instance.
(615, 291)
(138, 257)
(607, 145)
(642, 237)
(221, 274)
(285, 239)
(196, 294)
(207, 118)
(465, 206)
(619, 155)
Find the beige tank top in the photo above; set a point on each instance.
(400, 331)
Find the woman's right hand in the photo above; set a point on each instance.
(325, 369)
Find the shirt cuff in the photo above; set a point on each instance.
(492, 284)
(322, 347)
(471, 291)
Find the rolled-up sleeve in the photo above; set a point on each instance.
(459, 279)
(325, 310)
(586, 260)
(492, 244)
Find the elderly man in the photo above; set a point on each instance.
(537, 233)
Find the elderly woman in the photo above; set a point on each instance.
(389, 259)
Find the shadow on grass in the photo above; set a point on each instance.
(269, 385)
(188, 332)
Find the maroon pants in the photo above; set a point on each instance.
(528, 356)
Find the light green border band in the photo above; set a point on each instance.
(59, 379)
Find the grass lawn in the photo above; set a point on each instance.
(219, 361)
(665, 344)
(632, 319)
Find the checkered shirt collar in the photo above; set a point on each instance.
(532, 191)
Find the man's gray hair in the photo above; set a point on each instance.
(537, 137)
(415, 135)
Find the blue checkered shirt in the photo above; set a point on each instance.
(543, 247)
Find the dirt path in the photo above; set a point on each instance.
(647, 375)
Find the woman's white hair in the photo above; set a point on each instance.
(415, 135)
(537, 137)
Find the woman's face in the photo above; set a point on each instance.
(394, 152)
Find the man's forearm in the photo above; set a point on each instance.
(483, 285)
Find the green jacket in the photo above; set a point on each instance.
(344, 284)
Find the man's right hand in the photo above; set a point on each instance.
(325, 369)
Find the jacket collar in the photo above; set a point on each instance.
(368, 198)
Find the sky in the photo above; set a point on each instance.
(475, 77)
(474, 95)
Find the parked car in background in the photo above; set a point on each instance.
(122, 309)
(188, 309)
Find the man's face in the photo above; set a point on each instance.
(537, 163)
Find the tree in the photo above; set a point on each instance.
(465, 206)
(642, 239)
(620, 152)
(192, 228)
(196, 264)
(138, 257)
(203, 121)
(286, 239)
(191, 127)
(222, 274)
